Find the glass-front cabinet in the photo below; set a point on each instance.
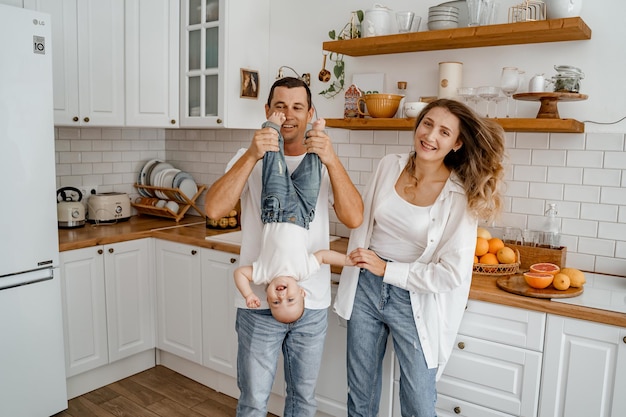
(220, 40)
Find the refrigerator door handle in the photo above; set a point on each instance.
(25, 278)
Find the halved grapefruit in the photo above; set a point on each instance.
(545, 268)
(538, 280)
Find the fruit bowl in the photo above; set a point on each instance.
(499, 269)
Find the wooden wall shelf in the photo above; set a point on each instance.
(508, 124)
(541, 31)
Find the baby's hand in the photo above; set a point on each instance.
(252, 301)
(277, 118)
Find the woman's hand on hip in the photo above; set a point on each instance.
(365, 258)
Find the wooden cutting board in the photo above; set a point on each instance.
(517, 285)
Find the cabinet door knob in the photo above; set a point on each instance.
(100, 251)
(193, 252)
(86, 119)
(457, 410)
(111, 250)
(75, 118)
(233, 260)
(624, 339)
(173, 121)
(219, 121)
(461, 345)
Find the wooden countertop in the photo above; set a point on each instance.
(192, 230)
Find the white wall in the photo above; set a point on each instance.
(298, 42)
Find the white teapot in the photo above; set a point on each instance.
(376, 21)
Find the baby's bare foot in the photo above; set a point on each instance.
(277, 118)
(319, 124)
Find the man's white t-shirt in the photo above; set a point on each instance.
(317, 286)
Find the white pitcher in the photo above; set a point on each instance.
(376, 21)
(558, 9)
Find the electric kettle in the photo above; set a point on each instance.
(70, 209)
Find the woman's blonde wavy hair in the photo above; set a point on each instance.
(478, 163)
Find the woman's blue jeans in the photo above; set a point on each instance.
(379, 310)
(289, 198)
(260, 340)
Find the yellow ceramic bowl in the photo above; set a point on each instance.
(380, 105)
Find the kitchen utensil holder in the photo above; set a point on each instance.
(174, 194)
(527, 11)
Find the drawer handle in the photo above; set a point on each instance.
(457, 410)
(86, 119)
(100, 251)
(75, 119)
(111, 250)
(173, 121)
(193, 252)
(461, 345)
(233, 260)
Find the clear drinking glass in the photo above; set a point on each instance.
(474, 8)
(405, 21)
(509, 83)
(466, 93)
(488, 94)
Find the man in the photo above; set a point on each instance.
(260, 336)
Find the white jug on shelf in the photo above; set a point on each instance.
(376, 21)
(558, 9)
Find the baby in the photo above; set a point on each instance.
(287, 207)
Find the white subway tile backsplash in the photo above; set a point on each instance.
(605, 141)
(583, 173)
(600, 212)
(582, 193)
(549, 158)
(596, 246)
(561, 175)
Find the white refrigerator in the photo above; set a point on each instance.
(32, 360)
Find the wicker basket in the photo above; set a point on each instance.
(498, 270)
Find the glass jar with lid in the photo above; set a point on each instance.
(567, 79)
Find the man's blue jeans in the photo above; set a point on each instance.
(260, 340)
(289, 198)
(381, 309)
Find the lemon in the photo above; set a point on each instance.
(576, 277)
(484, 233)
(561, 282)
(506, 255)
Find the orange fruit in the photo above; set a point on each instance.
(537, 279)
(489, 259)
(475, 259)
(482, 246)
(495, 244)
(561, 282)
(484, 233)
(545, 268)
(505, 255)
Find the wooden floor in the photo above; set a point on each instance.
(157, 392)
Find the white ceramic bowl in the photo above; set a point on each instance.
(173, 205)
(442, 24)
(413, 108)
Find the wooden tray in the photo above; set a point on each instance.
(516, 284)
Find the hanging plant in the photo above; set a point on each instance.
(351, 30)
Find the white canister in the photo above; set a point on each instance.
(558, 9)
(376, 21)
(450, 79)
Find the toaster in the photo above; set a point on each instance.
(108, 207)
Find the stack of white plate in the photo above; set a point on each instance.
(158, 173)
(443, 17)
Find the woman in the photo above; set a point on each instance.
(415, 251)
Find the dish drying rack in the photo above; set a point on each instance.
(174, 194)
(528, 11)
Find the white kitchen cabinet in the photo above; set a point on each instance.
(218, 39)
(495, 367)
(179, 299)
(584, 370)
(152, 53)
(87, 60)
(108, 303)
(219, 339)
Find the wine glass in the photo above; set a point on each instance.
(509, 83)
(488, 93)
(466, 93)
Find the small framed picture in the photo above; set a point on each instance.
(249, 83)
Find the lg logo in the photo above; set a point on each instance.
(38, 22)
